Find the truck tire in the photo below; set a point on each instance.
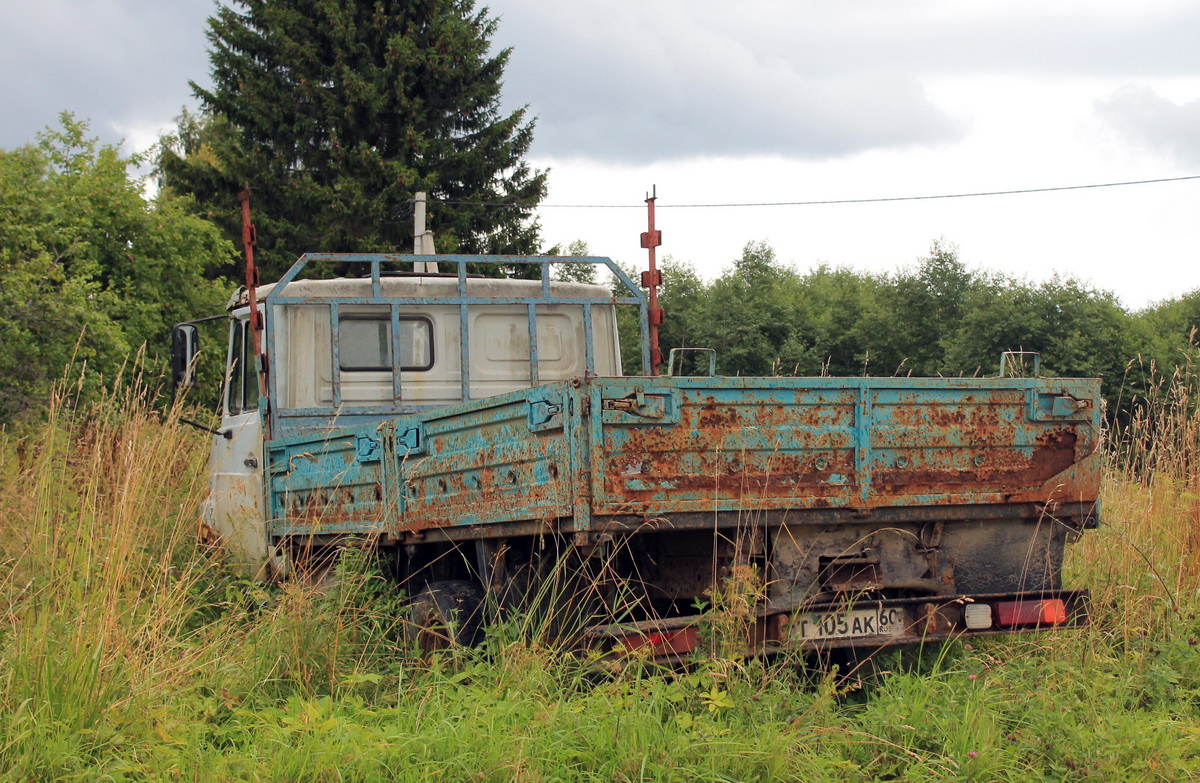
(445, 614)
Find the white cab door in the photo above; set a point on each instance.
(233, 510)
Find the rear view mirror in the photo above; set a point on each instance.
(185, 344)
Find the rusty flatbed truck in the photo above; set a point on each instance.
(477, 432)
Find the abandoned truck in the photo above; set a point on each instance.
(478, 433)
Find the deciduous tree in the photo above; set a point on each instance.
(90, 270)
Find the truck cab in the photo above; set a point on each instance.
(345, 351)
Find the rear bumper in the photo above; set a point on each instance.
(933, 619)
(863, 624)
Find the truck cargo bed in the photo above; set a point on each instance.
(600, 454)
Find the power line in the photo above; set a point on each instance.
(880, 200)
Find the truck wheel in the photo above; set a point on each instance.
(445, 614)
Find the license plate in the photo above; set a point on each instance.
(849, 624)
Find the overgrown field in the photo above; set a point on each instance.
(127, 653)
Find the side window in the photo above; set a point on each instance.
(250, 382)
(365, 343)
(243, 377)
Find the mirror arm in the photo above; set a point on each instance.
(226, 434)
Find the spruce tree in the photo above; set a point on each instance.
(338, 111)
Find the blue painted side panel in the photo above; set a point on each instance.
(499, 459)
(343, 482)
(592, 449)
(861, 443)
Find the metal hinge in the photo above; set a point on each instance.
(367, 448)
(1058, 404)
(410, 440)
(546, 414)
(661, 408)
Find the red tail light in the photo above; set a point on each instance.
(1050, 611)
(679, 642)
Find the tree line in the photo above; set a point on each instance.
(92, 269)
(935, 317)
(337, 112)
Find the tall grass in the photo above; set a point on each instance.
(97, 516)
(1146, 564)
(127, 652)
(114, 624)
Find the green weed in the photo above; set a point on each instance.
(127, 652)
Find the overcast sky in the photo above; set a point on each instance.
(771, 101)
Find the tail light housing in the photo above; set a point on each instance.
(1048, 611)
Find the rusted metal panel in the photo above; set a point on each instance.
(728, 445)
(861, 443)
(500, 460)
(601, 449)
(339, 483)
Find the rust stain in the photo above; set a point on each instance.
(714, 418)
(1078, 483)
(1054, 453)
(781, 453)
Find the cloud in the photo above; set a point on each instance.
(632, 83)
(1146, 118)
(117, 63)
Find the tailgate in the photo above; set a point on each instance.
(673, 445)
